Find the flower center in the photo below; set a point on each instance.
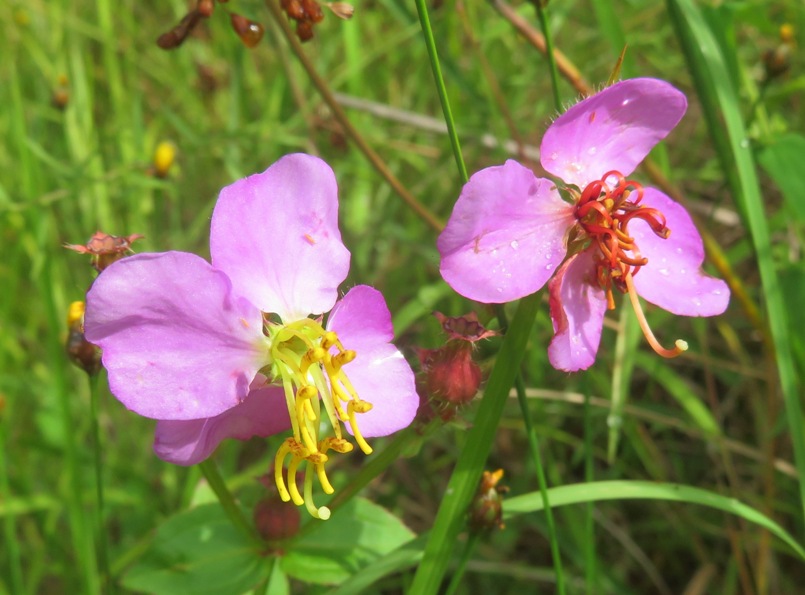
(603, 211)
(308, 360)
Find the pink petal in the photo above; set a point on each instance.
(506, 235)
(379, 373)
(276, 235)
(187, 442)
(612, 130)
(177, 342)
(673, 278)
(577, 309)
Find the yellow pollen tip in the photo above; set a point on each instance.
(329, 339)
(681, 345)
(344, 358)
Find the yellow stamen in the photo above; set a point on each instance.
(322, 512)
(295, 495)
(353, 408)
(680, 346)
(312, 376)
(279, 459)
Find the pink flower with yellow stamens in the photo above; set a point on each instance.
(510, 232)
(240, 347)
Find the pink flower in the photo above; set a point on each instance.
(228, 349)
(510, 232)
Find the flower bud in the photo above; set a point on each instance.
(486, 510)
(105, 249)
(451, 375)
(276, 520)
(250, 32)
(164, 156)
(81, 352)
(450, 372)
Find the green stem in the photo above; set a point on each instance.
(343, 120)
(103, 545)
(469, 548)
(536, 455)
(9, 520)
(430, 43)
(464, 480)
(546, 32)
(227, 501)
(589, 542)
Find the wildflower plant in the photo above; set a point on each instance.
(239, 347)
(591, 233)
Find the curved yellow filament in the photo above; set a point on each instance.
(680, 346)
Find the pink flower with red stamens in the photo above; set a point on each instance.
(510, 232)
(240, 348)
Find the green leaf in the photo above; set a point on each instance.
(782, 160)
(357, 534)
(646, 490)
(198, 551)
(681, 390)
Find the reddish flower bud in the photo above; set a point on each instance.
(276, 520)
(205, 8)
(451, 375)
(250, 32)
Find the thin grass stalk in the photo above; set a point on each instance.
(590, 560)
(466, 554)
(724, 120)
(102, 540)
(467, 472)
(227, 500)
(338, 113)
(430, 44)
(546, 32)
(536, 456)
(12, 543)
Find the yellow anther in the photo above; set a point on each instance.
(343, 358)
(336, 444)
(312, 356)
(353, 423)
(318, 458)
(360, 406)
(329, 339)
(294, 491)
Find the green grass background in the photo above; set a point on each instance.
(716, 418)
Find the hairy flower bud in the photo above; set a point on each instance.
(451, 375)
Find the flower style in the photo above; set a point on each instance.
(230, 350)
(510, 232)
